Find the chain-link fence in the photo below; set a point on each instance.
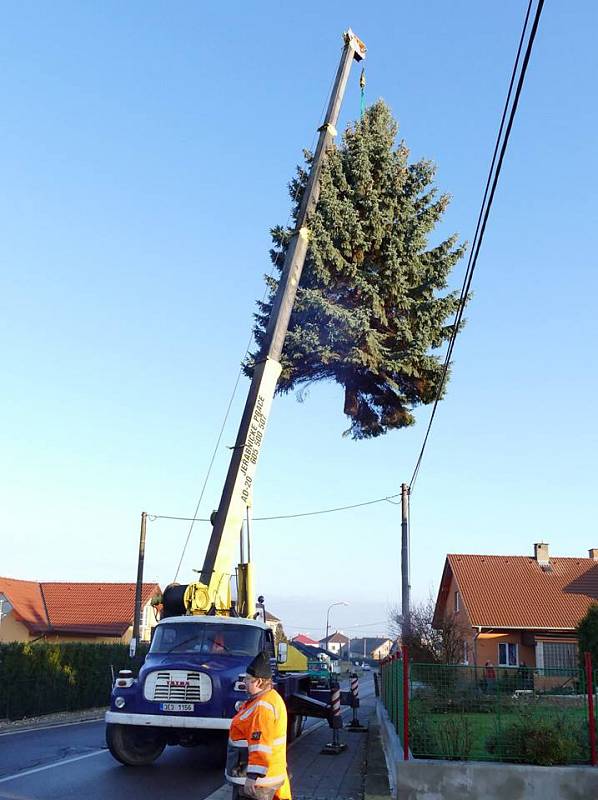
(532, 716)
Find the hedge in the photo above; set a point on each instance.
(42, 678)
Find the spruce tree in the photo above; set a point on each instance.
(369, 309)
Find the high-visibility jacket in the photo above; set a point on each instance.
(257, 747)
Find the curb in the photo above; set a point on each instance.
(376, 785)
(57, 720)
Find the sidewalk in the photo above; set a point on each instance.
(358, 773)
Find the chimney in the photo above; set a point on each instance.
(593, 553)
(541, 554)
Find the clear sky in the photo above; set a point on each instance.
(146, 149)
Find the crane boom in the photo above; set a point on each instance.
(211, 594)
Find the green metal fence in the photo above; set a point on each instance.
(533, 716)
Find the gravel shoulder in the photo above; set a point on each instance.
(60, 718)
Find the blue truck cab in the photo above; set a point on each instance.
(188, 689)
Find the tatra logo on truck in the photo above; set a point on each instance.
(178, 685)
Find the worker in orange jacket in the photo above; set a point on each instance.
(256, 762)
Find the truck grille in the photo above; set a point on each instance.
(178, 686)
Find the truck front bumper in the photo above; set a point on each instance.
(166, 721)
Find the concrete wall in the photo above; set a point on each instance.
(475, 780)
(423, 779)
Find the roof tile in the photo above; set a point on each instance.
(517, 592)
(100, 608)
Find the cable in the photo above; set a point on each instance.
(203, 488)
(326, 510)
(194, 518)
(345, 627)
(485, 209)
(387, 499)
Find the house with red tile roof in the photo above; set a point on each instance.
(61, 612)
(303, 638)
(519, 609)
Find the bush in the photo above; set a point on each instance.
(587, 636)
(470, 701)
(423, 739)
(42, 678)
(455, 735)
(450, 738)
(541, 739)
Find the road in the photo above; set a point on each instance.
(71, 761)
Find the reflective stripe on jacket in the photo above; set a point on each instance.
(257, 746)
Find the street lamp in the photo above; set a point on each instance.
(340, 603)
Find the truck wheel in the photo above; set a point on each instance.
(134, 746)
(294, 727)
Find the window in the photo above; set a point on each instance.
(146, 621)
(465, 653)
(457, 602)
(5, 606)
(207, 638)
(560, 655)
(270, 644)
(507, 654)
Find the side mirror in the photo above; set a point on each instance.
(283, 652)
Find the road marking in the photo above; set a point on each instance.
(220, 793)
(49, 727)
(50, 766)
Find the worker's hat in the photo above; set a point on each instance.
(260, 666)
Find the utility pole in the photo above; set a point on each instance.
(340, 603)
(405, 577)
(138, 588)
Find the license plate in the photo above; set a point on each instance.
(177, 707)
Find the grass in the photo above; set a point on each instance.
(465, 735)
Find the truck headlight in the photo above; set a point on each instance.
(119, 702)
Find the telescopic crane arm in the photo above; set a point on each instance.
(211, 594)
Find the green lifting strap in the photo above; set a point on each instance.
(362, 86)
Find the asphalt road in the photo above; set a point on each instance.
(71, 761)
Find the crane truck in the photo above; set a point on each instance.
(191, 682)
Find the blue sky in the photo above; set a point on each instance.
(146, 151)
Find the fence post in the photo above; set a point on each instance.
(394, 700)
(405, 651)
(591, 718)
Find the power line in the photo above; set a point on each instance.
(487, 200)
(486, 205)
(387, 499)
(345, 627)
(205, 483)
